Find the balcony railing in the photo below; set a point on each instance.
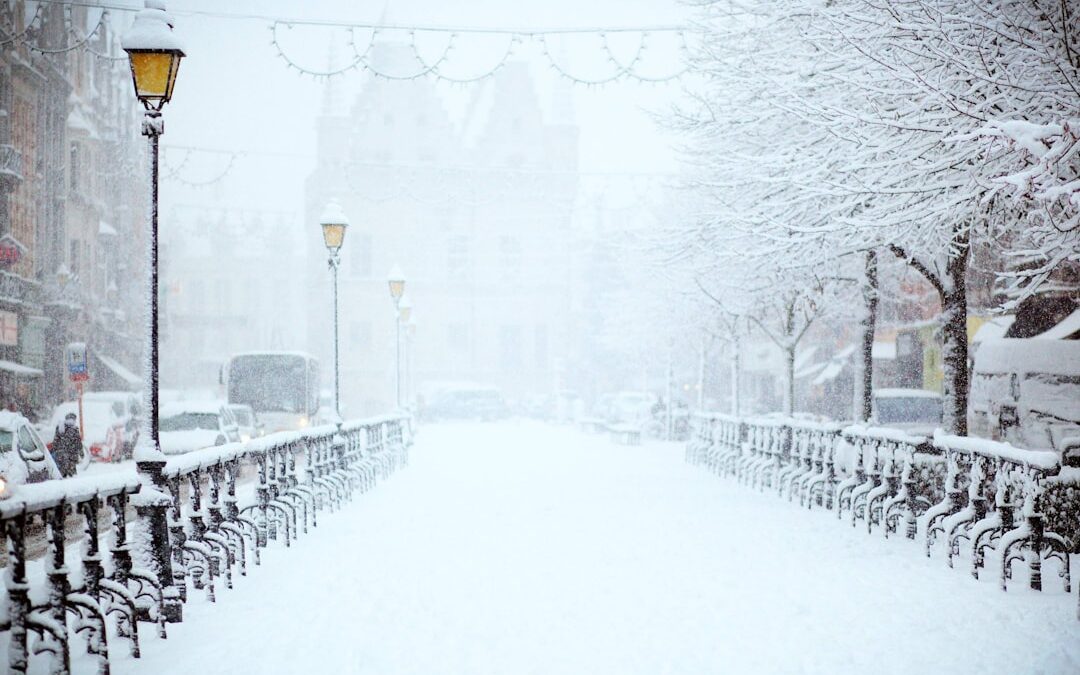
(10, 162)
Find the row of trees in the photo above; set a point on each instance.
(827, 135)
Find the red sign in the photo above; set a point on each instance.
(10, 250)
(79, 377)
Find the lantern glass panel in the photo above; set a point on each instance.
(333, 235)
(154, 74)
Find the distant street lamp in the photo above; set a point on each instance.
(334, 223)
(396, 281)
(154, 53)
(410, 364)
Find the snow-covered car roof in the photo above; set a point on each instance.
(1028, 355)
(905, 393)
(10, 421)
(179, 442)
(191, 407)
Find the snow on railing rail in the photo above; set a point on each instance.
(991, 499)
(298, 474)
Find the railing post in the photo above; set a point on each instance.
(153, 548)
(18, 590)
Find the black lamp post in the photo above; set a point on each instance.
(154, 53)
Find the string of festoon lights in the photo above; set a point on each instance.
(361, 38)
(440, 186)
(436, 68)
(174, 172)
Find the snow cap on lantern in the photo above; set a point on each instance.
(154, 52)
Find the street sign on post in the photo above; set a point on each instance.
(75, 356)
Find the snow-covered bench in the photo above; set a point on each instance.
(625, 434)
(592, 425)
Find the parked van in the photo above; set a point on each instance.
(1027, 392)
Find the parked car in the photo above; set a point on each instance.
(1026, 391)
(247, 422)
(24, 458)
(631, 408)
(484, 402)
(184, 426)
(914, 411)
(109, 424)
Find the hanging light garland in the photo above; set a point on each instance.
(435, 70)
(427, 68)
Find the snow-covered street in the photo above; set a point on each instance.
(523, 548)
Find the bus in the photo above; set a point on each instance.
(281, 387)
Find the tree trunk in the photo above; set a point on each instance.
(735, 367)
(864, 386)
(955, 340)
(789, 384)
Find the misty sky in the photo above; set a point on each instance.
(235, 94)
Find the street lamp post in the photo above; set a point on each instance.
(404, 314)
(154, 53)
(410, 359)
(334, 223)
(396, 281)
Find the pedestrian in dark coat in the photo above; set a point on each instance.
(67, 446)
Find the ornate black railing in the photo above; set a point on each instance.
(214, 533)
(965, 495)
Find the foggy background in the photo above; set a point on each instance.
(509, 227)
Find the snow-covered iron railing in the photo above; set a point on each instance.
(211, 537)
(981, 496)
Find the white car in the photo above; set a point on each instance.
(23, 455)
(184, 426)
(247, 421)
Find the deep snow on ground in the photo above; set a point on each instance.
(520, 548)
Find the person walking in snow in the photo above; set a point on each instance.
(67, 446)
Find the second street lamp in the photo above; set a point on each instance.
(334, 223)
(396, 282)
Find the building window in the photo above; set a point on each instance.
(510, 346)
(457, 337)
(74, 166)
(457, 257)
(73, 260)
(540, 346)
(510, 257)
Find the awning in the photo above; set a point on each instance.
(106, 229)
(19, 370)
(119, 370)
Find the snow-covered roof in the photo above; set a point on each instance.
(1029, 355)
(190, 407)
(303, 355)
(119, 369)
(1064, 330)
(20, 369)
(905, 393)
(993, 329)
